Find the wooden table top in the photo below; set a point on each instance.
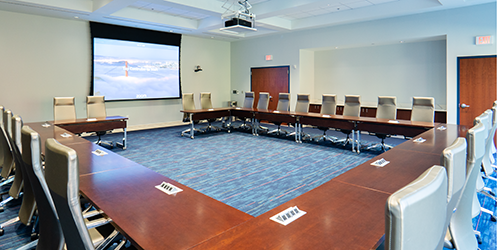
(347, 212)
(93, 120)
(153, 219)
(338, 216)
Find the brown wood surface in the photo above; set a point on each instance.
(435, 140)
(152, 219)
(274, 80)
(79, 126)
(344, 213)
(477, 86)
(56, 133)
(339, 216)
(90, 163)
(404, 167)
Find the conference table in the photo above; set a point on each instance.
(344, 213)
(108, 123)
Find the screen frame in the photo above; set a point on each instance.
(116, 32)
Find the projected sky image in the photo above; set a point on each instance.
(135, 70)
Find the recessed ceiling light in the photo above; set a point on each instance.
(76, 17)
(401, 41)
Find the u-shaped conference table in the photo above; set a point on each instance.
(344, 213)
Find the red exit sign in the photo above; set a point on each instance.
(483, 40)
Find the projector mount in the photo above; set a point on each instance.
(238, 21)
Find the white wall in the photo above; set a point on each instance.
(459, 26)
(403, 70)
(43, 57)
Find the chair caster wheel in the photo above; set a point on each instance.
(1, 231)
(493, 218)
(492, 193)
(192, 137)
(1, 209)
(34, 236)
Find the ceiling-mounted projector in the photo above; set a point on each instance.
(239, 21)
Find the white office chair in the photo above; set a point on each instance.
(328, 107)
(422, 109)
(64, 108)
(352, 107)
(386, 109)
(283, 105)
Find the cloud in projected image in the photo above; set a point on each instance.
(122, 87)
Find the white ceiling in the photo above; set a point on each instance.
(203, 17)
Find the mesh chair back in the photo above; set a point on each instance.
(283, 102)
(64, 108)
(61, 174)
(386, 108)
(248, 102)
(96, 107)
(454, 160)
(50, 232)
(422, 109)
(352, 105)
(329, 104)
(302, 103)
(415, 215)
(461, 227)
(263, 100)
(206, 100)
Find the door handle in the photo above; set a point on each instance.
(463, 105)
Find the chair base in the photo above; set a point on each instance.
(188, 131)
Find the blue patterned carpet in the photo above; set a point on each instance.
(252, 174)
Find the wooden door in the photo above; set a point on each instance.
(477, 86)
(274, 80)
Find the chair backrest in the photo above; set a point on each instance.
(461, 223)
(188, 101)
(61, 174)
(206, 100)
(64, 108)
(415, 215)
(386, 107)
(283, 102)
(302, 103)
(28, 205)
(486, 119)
(454, 159)
(2, 109)
(7, 124)
(96, 107)
(422, 109)
(50, 232)
(493, 109)
(263, 100)
(329, 104)
(248, 102)
(5, 146)
(15, 143)
(352, 105)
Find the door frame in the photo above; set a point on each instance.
(458, 79)
(270, 67)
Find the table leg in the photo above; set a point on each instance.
(358, 141)
(124, 138)
(192, 125)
